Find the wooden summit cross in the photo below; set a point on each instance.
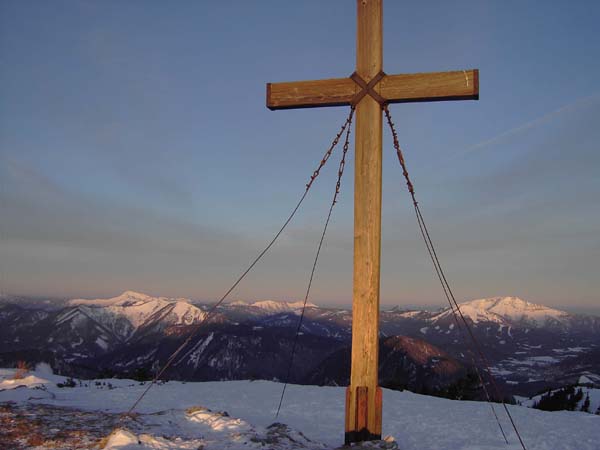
(369, 89)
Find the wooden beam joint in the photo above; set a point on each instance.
(368, 88)
(403, 88)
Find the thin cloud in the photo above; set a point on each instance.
(38, 209)
(531, 124)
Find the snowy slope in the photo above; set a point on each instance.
(314, 417)
(137, 310)
(127, 296)
(272, 306)
(505, 310)
(140, 309)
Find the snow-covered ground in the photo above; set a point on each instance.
(239, 415)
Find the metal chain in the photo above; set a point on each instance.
(409, 184)
(343, 160)
(330, 150)
(446, 286)
(214, 307)
(312, 273)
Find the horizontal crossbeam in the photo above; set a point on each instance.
(403, 88)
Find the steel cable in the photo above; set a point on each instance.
(445, 285)
(214, 307)
(314, 266)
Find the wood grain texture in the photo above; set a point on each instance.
(311, 94)
(431, 87)
(378, 411)
(367, 214)
(402, 88)
(348, 424)
(363, 397)
(362, 402)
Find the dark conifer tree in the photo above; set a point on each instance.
(586, 404)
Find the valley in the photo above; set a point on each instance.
(529, 347)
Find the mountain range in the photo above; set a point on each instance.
(529, 347)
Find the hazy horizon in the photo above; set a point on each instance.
(576, 309)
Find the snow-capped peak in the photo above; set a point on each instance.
(127, 296)
(140, 310)
(275, 306)
(133, 295)
(505, 309)
(238, 303)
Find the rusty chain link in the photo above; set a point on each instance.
(409, 184)
(209, 313)
(314, 267)
(454, 306)
(343, 160)
(330, 150)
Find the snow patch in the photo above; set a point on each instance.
(277, 307)
(198, 349)
(121, 439)
(28, 381)
(417, 421)
(102, 343)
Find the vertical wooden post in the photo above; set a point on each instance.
(363, 396)
(367, 236)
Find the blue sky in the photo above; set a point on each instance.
(136, 151)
